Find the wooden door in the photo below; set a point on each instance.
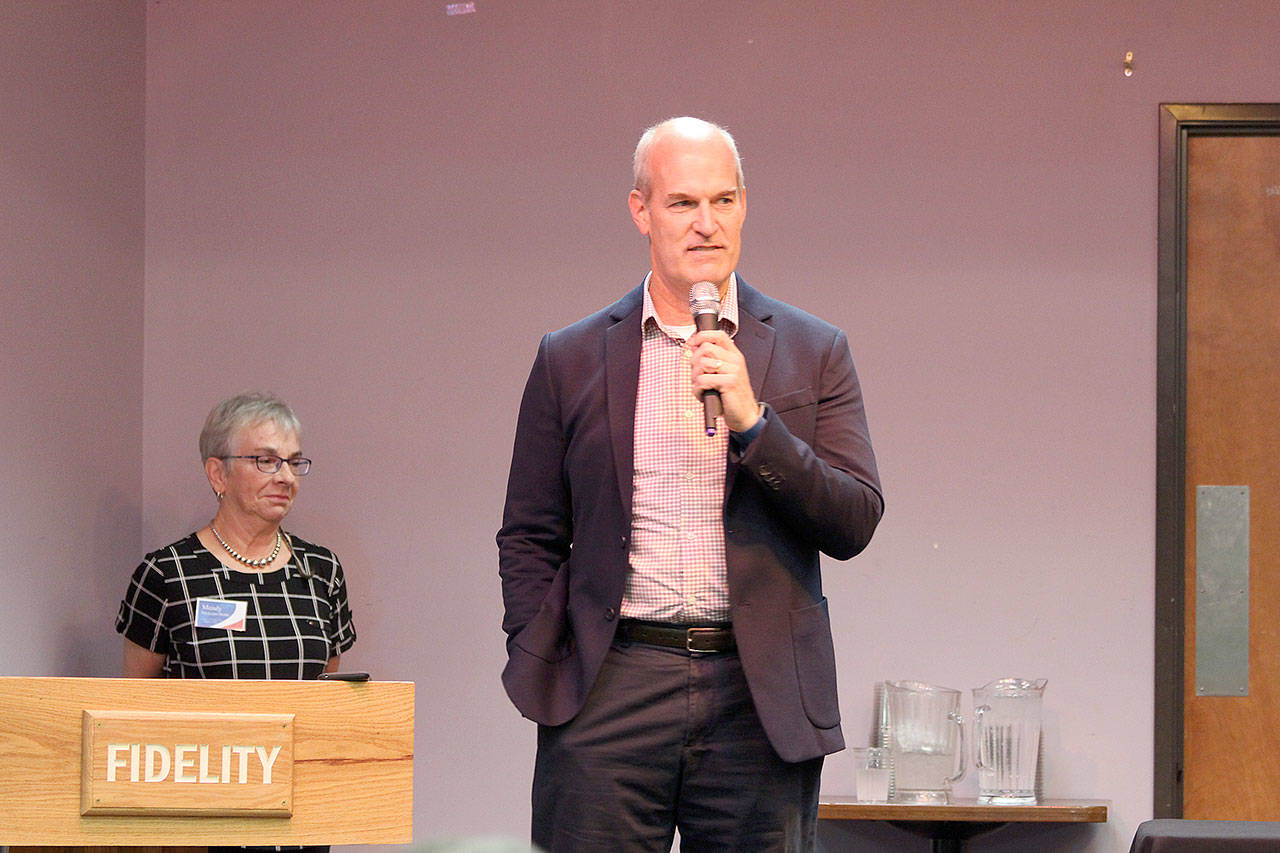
(1231, 740)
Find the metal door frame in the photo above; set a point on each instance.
(1178, 122)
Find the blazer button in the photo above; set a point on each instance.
(609, 614)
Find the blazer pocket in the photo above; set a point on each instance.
(548, 636)
(799, 411)
(792, 400)
(815, 659)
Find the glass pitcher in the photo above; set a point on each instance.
(1006, 734)
(926, 740)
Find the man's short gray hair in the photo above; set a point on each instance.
(236, 413)
(686, 124)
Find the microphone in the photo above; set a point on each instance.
(704, 302)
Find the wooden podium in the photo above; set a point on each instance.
(105, 762)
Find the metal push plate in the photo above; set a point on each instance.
(1222, 590)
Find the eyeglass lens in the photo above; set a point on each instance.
(271, 464)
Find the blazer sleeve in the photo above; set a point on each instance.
(537, 526)
(827, 489)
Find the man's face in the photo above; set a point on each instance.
(693, 213)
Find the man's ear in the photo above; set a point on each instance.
(639, 211)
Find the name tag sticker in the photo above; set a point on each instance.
(216, 613)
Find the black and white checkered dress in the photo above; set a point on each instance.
(297, 616)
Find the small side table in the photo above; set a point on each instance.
(951, 825)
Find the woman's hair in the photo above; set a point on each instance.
(241, 411)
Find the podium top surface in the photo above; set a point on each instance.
(352, 753)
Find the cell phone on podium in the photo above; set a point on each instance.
(344, 676)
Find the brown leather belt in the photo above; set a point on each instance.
(704, 639)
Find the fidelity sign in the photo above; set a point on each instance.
(169, 763)
(128, 757)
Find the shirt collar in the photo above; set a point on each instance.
(728, 308)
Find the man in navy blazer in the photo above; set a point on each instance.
(665, 617)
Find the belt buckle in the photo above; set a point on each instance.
(689, 635)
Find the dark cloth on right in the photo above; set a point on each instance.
(1206, 836)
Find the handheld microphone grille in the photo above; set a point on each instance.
(704, 303)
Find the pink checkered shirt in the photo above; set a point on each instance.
(677, 517)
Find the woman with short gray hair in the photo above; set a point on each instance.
(240, 597)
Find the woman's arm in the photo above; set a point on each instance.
(140, 662)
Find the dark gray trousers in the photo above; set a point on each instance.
(669, 740)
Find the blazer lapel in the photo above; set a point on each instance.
(622, 383)
(755, 341)
(755, 334)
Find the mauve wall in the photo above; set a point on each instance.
(376, 209)
(71, 250)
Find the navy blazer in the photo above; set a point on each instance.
(806, 483)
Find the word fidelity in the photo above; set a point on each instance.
(163, 763)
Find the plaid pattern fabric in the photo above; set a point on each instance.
(298, 616)
(677, 558)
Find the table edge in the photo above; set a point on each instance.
(966, 811)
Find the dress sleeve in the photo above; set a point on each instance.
(141, 616)
(342, 630)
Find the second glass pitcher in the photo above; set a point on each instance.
(1006, 734)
